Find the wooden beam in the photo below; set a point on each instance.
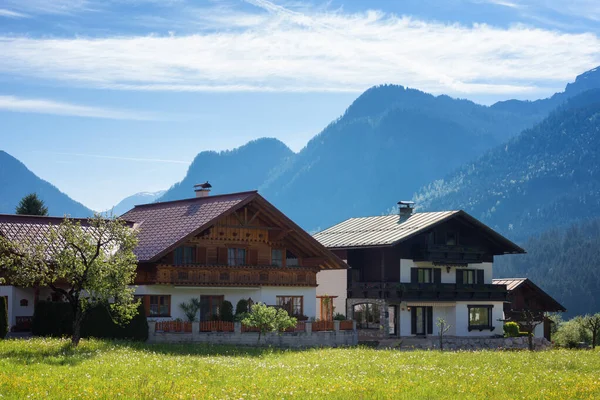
(254, 217)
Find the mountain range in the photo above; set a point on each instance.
(529, 169)
(136, 199)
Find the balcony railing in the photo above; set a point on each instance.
(235, 276)
(427, 291)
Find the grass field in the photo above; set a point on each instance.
(50, 368)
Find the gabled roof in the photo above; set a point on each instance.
(163, 225)
(389, 230)
(30, 228)
(516, 283)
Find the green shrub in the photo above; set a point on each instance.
(3, 317)
(226, 311)
(241, 307)
(52, 319)
(55, 319)
(511, 329)
(339, 317)
(570, 333)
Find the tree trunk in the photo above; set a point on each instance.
(594, 333)
(530, 340)
(77, 318)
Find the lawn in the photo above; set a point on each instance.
(50, 368)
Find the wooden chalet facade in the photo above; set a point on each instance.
(526, 296)
(215, 248)
(408, 270)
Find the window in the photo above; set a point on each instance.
(367, 315)
(480, 317)
(160, 306)
(277, 257)
(451, 238)
(210, 307)
(236, 256)
(184, 255)
(425, 275)
(292, 304)
(468, 277)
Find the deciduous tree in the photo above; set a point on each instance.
(592, 322)
(86, 264)
(268, 319)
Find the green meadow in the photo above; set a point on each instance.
(51, 368)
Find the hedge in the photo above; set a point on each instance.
(3, 317)
(56, 319)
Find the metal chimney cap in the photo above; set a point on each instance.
(406, 203)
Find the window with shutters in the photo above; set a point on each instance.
(480, 317)
(425, 275)
(159, 306)
(236, 256)
(367, 315)
(184, 255)
(292, 304)
(470, 277)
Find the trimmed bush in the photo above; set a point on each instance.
(511, 329)
(339, 317)
(56, 319)
(3, 317)
(52, 319)
(241, 307)
(226, 311)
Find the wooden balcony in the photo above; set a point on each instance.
(235, 276)
(395, 291)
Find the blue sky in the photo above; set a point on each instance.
(106, 98)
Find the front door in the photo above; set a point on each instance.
(393, 320)
(422, 320)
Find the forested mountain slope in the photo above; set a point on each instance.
(564, 262)
(246, 168)
(16, 181)
(548, 176)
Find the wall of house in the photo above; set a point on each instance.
(7, 291)
(333, 283)
(462, 319)
(266, 294)
(448, 313)
(16, 294)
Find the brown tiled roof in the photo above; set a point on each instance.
(162, 225)
(514, 283)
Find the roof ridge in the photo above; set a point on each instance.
(191, 199)
(41, 217)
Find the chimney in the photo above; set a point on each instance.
(405, 209)
(202, 189)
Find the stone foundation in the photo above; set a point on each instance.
(308, 338)
(463, 343)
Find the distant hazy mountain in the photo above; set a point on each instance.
(137, 199)
(246, 168)
(16, 181)
(547, 177)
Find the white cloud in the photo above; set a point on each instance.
(278, 49)
(12, 14)
(43, 106)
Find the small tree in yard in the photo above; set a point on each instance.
(591, 322)
(190, 309)
(31, 205)
(87, 265)
(268, 319)
(529, 320)
(443, 328)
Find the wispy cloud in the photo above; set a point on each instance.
(134, 159)
(12, 14)
(50, 6)
(44, 106)
(275, 48)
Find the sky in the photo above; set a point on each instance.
(107, 98)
